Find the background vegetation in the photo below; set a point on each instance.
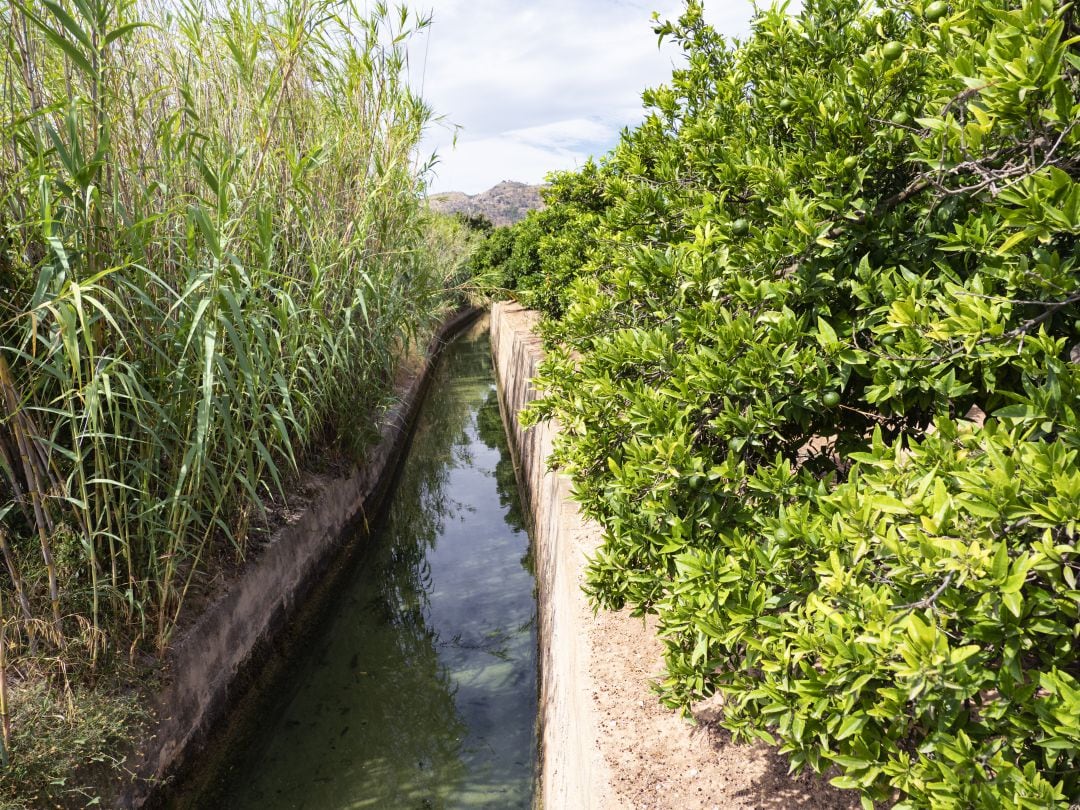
(819, 379)
(539, 255)
(213, 256)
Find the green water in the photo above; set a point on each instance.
(419, 690)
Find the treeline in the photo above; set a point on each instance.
(814, 332)
(213, 257)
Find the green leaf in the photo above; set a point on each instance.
(1014, 602)
(826, 334)
(851, 725)
(69, 48)
(888, 504)
(960, 654)
(123, 30)
(69, 23)
(1000, 567)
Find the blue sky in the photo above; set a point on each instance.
(537, 85)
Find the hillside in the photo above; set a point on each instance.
(503, 204)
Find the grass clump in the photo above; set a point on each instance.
(65, 742)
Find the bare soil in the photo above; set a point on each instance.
(660, 761)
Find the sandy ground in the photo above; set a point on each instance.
(659, 761)
(608, 743)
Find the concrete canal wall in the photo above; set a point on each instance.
(211, 664)
(606, 742)
(573, 771)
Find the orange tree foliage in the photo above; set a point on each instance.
(824, 256)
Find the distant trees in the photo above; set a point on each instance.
(540, 256)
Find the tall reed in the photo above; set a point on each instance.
(212, 248)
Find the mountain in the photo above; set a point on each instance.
(504, 204)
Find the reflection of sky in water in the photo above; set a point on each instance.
(421, 691)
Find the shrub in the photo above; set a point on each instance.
(823, 262)
(539, 257)
(489, 258)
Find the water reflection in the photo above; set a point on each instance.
(490, 428)
(420, 692)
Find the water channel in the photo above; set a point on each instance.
(418, 689)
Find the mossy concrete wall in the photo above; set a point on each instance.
(573, 771)
(210, 666)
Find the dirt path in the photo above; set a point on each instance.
(659, 761)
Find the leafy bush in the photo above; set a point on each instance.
(825, 257)
(538, 257)
(489, 257)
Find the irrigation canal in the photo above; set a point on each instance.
(419, 687)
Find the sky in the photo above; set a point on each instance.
(538, 85)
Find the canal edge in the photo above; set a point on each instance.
(573, 771)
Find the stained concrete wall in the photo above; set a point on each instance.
(210, 665)
(573, 770)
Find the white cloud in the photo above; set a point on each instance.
(526, 154)
(479, 164)
(562, 133)
(538, 85)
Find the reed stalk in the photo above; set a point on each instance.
(5, 718)
(212, 251)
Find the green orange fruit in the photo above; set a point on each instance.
(893, 51)
(831, 399)
(935, 11)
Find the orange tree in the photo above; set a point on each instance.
(541, 255)
(819, 376)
